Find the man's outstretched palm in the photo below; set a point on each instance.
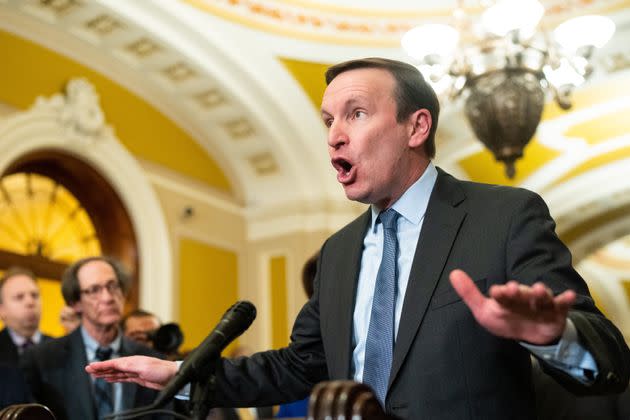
(525, 313)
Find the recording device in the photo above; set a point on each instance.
(196, 366)
(167, 338)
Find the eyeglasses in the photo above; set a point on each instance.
(113, 287)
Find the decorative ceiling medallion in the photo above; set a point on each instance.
(264, 163)
(104, 25)
(210, 99)
(239, 129)
(79, 111)
(179, 72)
(143, 48)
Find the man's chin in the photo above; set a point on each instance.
(354, 194)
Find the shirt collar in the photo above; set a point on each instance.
(91, 344)
(412, 205)
(18, 340)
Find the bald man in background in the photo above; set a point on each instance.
(20, 311)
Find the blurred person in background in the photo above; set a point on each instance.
(146, 328)
(69, 319)
(96, 288)
(299, 408)
(137, 325)
(20, 311)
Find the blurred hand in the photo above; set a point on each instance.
(520, 312)
(147, 371)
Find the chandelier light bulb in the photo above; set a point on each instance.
(584, 31)
(512, 15)
(564, 75)
(430, 40)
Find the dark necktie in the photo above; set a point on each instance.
(25, 345)
(379, 346)
(103, 391)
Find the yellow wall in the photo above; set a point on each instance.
(52, 302)
(208, 286)
(28, 70)
(310, 76)
(278, 285)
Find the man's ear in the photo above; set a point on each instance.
(419, 127)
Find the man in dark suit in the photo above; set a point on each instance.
(20, 310)
(55, 371)
(399, 297)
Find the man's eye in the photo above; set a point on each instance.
(328, 122)
(359, 114)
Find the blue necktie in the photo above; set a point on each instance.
(103, 393)
(379, 346)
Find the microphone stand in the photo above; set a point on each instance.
(201, 392)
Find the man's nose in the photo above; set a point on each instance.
(337, 135)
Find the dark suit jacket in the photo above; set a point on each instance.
(13, 388)
(445, 365)
(8, 350)
(55, 372)
(553, 402)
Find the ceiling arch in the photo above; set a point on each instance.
(143, 130)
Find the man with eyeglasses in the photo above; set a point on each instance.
(95, 288)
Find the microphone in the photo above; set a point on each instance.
(233, 323)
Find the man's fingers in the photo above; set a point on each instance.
(466, 289)
(565, 299)
(541, 299)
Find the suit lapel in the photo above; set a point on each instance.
(80, 401)
(339, 314)
(439, 230)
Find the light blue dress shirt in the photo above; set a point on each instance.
(567, 355)
(90, 351)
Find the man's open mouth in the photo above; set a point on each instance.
(345, 174)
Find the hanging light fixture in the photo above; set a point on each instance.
(506, 67)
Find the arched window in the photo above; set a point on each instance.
(55, 209)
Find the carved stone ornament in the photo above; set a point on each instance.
(78, 110)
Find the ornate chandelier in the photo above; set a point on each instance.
(506, 67)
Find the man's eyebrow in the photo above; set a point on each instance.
(348, 104)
